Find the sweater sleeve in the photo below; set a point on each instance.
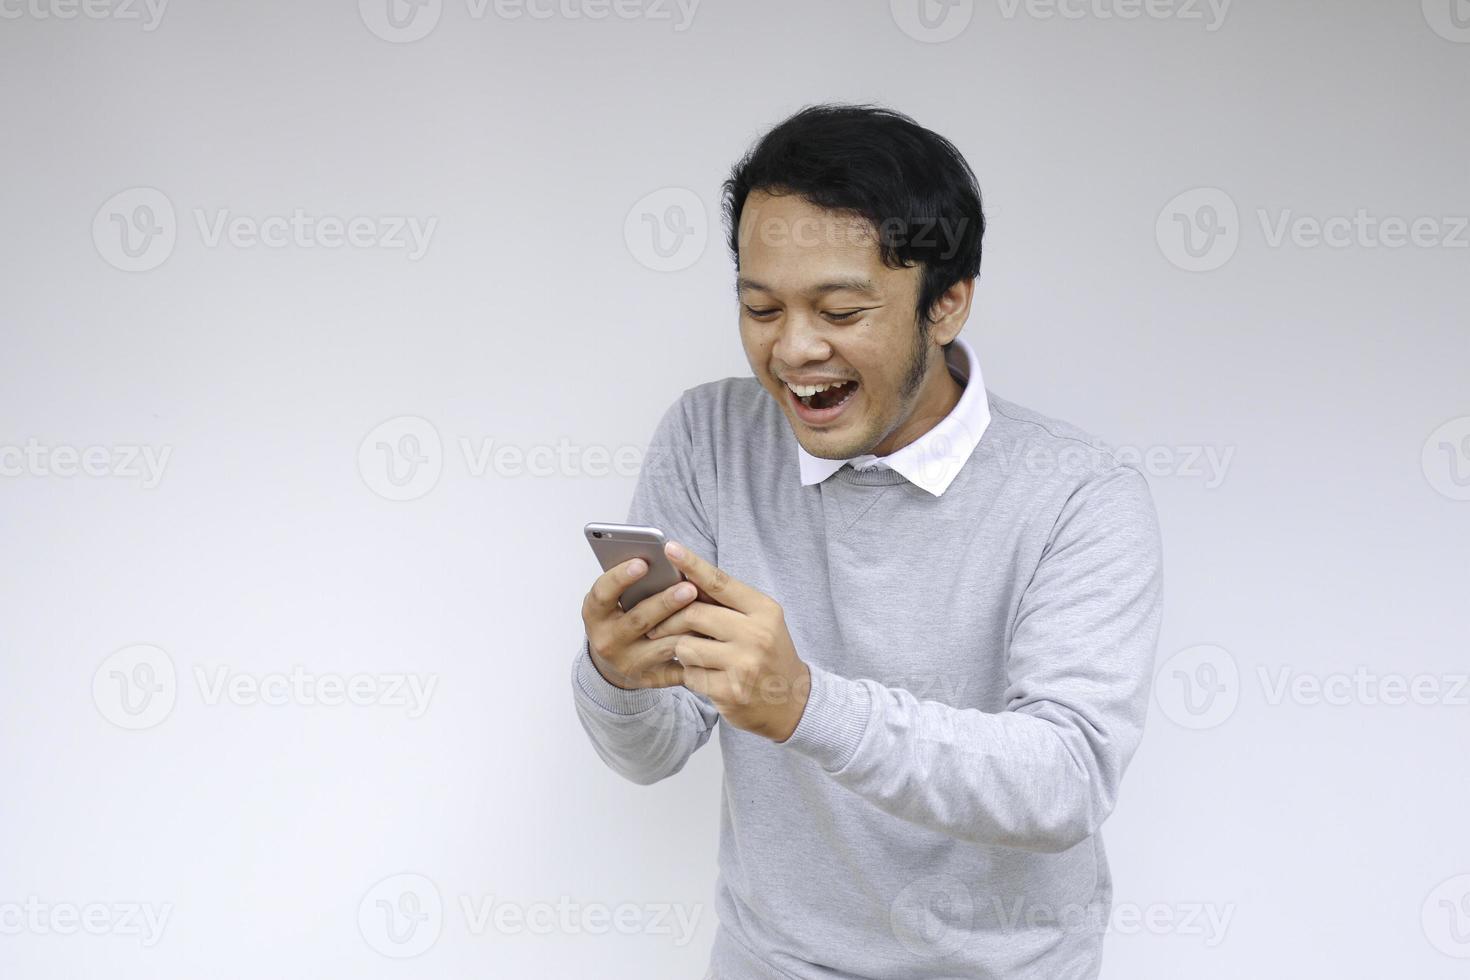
(648, 734)
(1043, 773)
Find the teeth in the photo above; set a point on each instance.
(806, 391)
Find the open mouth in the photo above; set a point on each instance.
(823, 406)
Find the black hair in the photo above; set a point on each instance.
(908, 182)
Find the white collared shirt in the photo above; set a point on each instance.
(933, 460)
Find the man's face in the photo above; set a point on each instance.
(817, 304)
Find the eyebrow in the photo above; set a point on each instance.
(856, 284)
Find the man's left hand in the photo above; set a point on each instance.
(745, 662)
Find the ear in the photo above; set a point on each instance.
(950, 311)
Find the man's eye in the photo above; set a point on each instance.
(754, 312)
(844, 317)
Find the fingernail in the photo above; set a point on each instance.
(674, 550)
(636, 568)
(684, 592)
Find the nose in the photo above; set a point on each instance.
(800, 341)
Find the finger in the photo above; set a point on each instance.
(717, 685)
(652, 611)
(714, 621)
(646, 655)
(696, 651)
(718, 584)
(603, 598)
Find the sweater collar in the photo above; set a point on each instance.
(933, 460)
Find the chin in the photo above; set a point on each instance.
(824, 446)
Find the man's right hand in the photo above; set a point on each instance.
(620, 651)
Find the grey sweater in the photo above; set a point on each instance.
(980, 666)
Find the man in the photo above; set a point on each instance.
(926, 615)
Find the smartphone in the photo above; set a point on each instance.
(616, 543)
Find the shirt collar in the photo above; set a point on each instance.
(933, 460)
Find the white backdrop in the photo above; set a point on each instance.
(326, 327)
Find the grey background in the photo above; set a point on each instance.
(1335, 380)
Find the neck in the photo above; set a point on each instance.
(937, 398)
